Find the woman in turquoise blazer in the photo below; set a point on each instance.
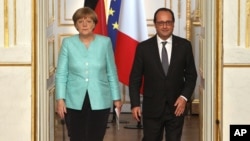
(86, 80)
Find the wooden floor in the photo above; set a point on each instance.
(190, 130)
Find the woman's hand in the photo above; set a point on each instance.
(61, 108)
(118, 105)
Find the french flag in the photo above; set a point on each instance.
(132, 30)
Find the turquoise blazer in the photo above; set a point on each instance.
(91, 69)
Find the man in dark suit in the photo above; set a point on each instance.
(169, 80)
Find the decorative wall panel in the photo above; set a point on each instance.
(52, 114)
(66, 9)
(15, 31)
(235, 99)
(15, 115)
(51, 57)
(51, 11)
(236, 32)
(201, 58)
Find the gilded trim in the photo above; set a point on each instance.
(15, 22)
(51, 92)
(65, 10)
(6, 64)
(34, 71)
(238, 38)
(201, 58)
(231, 65)
(219, 76)
(6, 24)
(248, 24)
(60, 38)
(188, 19)
(51, 56)
(171, 4)
(197, 14)
(59, 14)
(51, 12)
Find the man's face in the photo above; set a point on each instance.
(164, 24)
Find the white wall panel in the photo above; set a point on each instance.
(16, 31)
(15, 115)
(20, 54)
(67, 9)
(235, 32)
(235, 98)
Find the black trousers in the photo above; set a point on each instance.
(153, 128)
(87, 124)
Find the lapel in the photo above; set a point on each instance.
(155, 52)
(174, 53)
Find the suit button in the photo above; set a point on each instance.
(86, 79)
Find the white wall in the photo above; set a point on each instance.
(236, 69)
(16, 70)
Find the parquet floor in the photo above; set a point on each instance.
(190, 130)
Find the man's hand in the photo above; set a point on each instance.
(180, 105)
(136, 113)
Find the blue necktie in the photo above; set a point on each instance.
(164, 58)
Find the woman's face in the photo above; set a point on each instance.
(85, 25)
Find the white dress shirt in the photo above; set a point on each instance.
(169, 51)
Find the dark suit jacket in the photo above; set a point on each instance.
(158, 89)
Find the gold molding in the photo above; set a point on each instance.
(60, 37)
(219, 69)
(171, 4)
(59, 15)
(201, 58)
(14, 64)
(51, 56)
(196, 21)
(6, 24)
(34, 63)
(195, 106)
(196, 18)
(188, 19)
(51, 12)
(65, 12)
(15, 22)
(236, 65)
(238, 38)
(51, 92)
(201, 115)
(248, 24)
